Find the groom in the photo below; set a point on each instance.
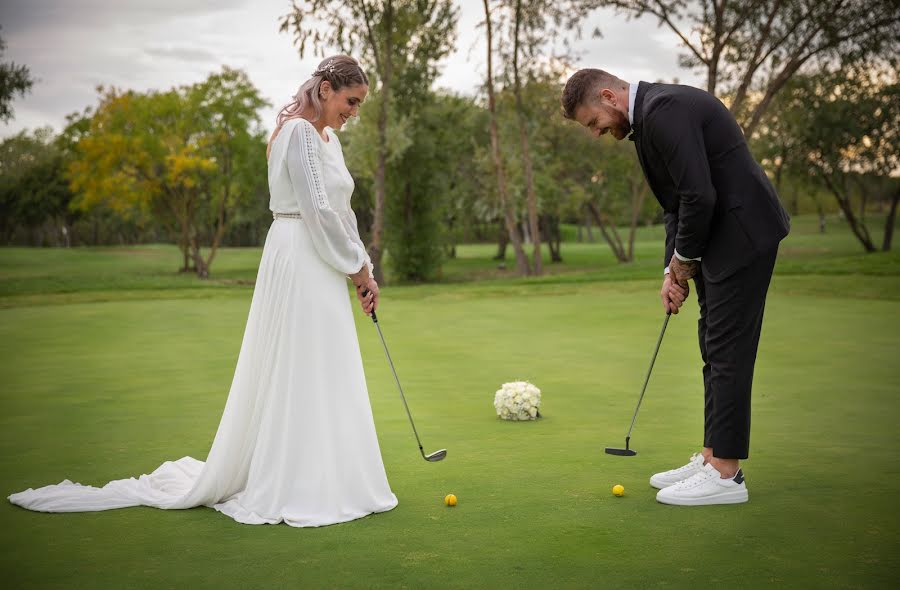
(723, 225)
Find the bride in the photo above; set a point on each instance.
(296, 442)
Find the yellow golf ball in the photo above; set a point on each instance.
(450, 500)
(618, 490)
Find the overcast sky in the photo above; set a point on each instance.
(71, 46)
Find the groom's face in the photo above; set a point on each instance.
(603, 114)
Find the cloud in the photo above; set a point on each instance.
(183, 54)
(72, 46)
(19, 16)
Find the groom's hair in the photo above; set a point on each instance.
(583, 86)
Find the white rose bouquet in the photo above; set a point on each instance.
(518, 400)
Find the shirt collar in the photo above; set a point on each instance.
(632, 97)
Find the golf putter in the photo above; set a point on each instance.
(435, 456)
(627, 452)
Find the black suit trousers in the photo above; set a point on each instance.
(731, 315)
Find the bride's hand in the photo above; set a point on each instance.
(360, 277)
(367, 293)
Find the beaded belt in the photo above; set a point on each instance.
(286, 216)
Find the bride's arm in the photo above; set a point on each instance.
(354, 235)
(329, 235)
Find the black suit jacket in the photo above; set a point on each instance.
(718, 201)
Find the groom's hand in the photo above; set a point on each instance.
(672, 295)
(681, 271)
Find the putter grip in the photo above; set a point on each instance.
(374, 317)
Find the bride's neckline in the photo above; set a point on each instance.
(280, 130)
(325, 139)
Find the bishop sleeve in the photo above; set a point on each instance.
(330, 238)
(354, 235)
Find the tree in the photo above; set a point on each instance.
(518, 17)
(189, 156)
(750, 49)
(530, 28)
(34, 194)
(397, 40)
(845, 122)
(15, 80)
(512, 229)
(226, 106)
(619, 192)
(782, 153)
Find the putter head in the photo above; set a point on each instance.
(437, 455)
(620, 452)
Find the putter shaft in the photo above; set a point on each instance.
(647, 379)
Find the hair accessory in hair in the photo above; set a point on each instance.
(328, 67)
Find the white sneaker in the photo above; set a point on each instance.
(704, 488)
(673, 476)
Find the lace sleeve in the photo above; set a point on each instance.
(330, 237)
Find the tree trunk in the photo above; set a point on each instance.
(200, 265)
(615, 243)
(587, 225)
(551, 234)
(531, 197)
(221, 221)
(889, 222)
(375, 245)
(522, 265)
(638, 194)
(821, 212)
(859, 229)
(502, 243)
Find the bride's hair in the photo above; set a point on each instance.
(339, 70)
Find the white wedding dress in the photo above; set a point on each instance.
(296, 442)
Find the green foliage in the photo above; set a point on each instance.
(840, 128)
(191, 157)
(360, 136)
(423, 183)
(15, 80)
(33, 188)
(429, 176)
(410, 36)
(227, 107)
(400, 43)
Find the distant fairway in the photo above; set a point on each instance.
(111, 364)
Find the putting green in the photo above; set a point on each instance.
(98, 391)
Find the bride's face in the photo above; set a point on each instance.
(339, 105)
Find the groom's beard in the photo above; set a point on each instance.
(620, 127)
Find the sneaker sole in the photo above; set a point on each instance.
(734, 497)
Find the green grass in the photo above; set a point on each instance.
(110, 364)
(57, 275)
